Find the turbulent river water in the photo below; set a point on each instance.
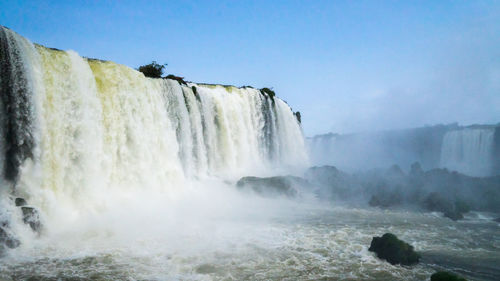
(242, 237)
(134, 179)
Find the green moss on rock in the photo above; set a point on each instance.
(395, 251)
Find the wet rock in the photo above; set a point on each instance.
(434, 202)
(31, 217)
(20, 202)
(8, 240)
(395, 251)
(176, 78)
(497, 220)
(298, 116)
(273, 186)
(375, 201)
(446, 276)
(462, 206)
(438, 203)
(453, 215)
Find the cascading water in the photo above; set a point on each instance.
(469, 151)
(75, 129)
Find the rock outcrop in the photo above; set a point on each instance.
(395, 251)
(286, 186)
(446, 276)
(7, 239)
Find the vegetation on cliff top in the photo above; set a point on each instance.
(152, 70)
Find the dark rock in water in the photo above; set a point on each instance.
(454, 215)
(8, 240)
(273, 186)
(497, 220)
(446, 276)
(395, 251)
(462, 207)
(20, 202)
(31, 217)
(434, 202)
(375, 201)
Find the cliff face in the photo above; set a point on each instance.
(71, 124)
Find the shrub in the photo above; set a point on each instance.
(153, 70)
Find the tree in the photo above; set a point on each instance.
(153, 70)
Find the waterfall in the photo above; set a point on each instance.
(73, 127)
(469, 151)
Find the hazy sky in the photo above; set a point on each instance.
(346, 65)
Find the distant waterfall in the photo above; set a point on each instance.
(71, 124)
(469, 151)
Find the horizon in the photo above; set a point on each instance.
(347, 67)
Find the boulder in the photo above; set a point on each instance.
(446, 276)
(273, 186)
(395, 251)
(176, 78)
(31, 217)
(7, 240)
(462, 206)
(20, 202)
(497, 220)
(434, 202)
(453, 215)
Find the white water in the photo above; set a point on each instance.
(468, 151)
(113, 148)
(102, 126)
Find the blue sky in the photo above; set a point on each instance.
(346, 65)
